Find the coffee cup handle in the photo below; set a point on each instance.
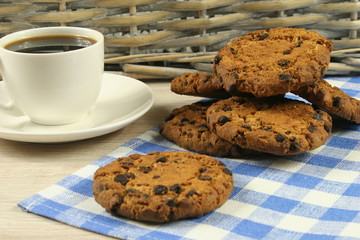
(8, 106)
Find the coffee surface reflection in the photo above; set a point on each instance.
(50, 44)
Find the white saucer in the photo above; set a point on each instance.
(122, 100)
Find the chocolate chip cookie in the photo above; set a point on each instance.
(162, 186)
(332, 99)
(274, 62)
(274, 125)
(186, 126)
(199, 84)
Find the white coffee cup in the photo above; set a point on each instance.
(53, 88)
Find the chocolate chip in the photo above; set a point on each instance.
(162, 159)
(170, 117)
(220, 80)
(263, 36)
(202, 170)
(191, 193)
(132, 190)
(171, 202)
(248, 127)
(299, 43)
(294, 147)
(154, 153)
(207, 79)
(336, 101)
(327, 128)
(160, 190)
(228, 108)
(283, 62)
(204, 178)
(145, 169)
(293, 139)
(203, 125)
(239, 138)
(266, 128)
(156, 176)
(312, 128)
(184, 120)
(127, 163)
(120, 200)
(280, 138)
(312, 85)
(284, 76)
(236, 76)
(114, 208)
(232, 50)
(186, 84)
(176, 188)
(224, 119)
(121, 178)
(318, 116)
(287, 132)
(217, 59)
(101, 188)
(286, 52)
(202, 131)
(181, 124)
(227, 171)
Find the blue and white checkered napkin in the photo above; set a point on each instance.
(314, 195)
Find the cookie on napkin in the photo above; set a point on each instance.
(162, 186)
(273, 62)
(273, 125)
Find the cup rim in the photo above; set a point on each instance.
(46, 31)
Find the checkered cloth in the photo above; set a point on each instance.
(313, 195)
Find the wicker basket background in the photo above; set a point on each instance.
(162, 39)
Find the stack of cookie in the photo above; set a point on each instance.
(248, 112)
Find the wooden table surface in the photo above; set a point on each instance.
(27, 168)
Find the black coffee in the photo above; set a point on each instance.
(50, 44)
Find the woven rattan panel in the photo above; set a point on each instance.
(161, 39)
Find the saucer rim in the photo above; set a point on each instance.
(85, 133)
